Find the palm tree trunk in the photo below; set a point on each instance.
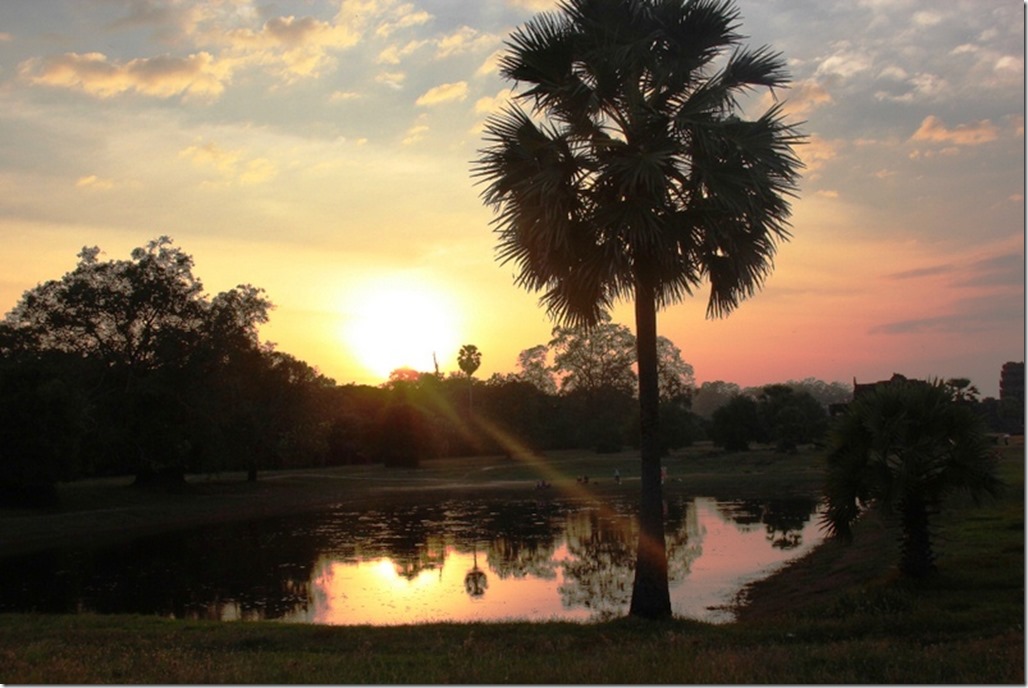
(650, 596)
(917, 557)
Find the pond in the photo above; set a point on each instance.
(534, 559)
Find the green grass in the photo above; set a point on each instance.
(839, 615)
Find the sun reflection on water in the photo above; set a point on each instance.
(711, 557)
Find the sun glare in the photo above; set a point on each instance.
(401, 322)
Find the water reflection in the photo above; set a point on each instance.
(534, 559)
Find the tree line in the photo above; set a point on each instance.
(127, 367)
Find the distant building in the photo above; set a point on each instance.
(860, 389)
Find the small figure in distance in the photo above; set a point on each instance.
(617, 476)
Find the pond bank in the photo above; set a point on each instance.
(108, 509)
(820, 620)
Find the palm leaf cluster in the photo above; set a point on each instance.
(630, 165)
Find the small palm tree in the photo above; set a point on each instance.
(640, 180)
(469, 358)
(906, 446)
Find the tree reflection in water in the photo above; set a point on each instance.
(601, 546)
(783, 519)
(581, 552)
(475, 581)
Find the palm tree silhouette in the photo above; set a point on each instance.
(906, 445)
(638, 181)
(468, 359)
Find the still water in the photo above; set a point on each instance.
(536, 559)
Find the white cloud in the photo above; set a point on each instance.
(844, 64)
(926, 18)
(394, 80)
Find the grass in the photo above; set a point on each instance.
(839, 615)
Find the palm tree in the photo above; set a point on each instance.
(468, 359)
(639, 180)
(906, 446)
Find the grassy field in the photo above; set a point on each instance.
(840, 615)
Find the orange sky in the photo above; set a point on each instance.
(321, 150)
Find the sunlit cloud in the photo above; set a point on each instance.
(920, 87)
(463, 40)
(490, 104)
(415, 134)
(534, 5)
(933, 130)
(444, 93)
(343, 96)
(94, 182)
(163, 77)
(394, 54)
(231, 165)
(816, 152)
(491, 64)
(404, 17)
(800, 99)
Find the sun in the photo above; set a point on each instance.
(399, 322)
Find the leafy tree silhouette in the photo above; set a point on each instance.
(639, 182)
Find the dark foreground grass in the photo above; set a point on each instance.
(840, 615)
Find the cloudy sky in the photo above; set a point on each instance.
(321, 150)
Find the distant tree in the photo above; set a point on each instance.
(592, 358)
(675, 377)
(962, 391)
(826, 393)
(736, 424)
(905, 447)
(791, 418)
(713, 395)
(534, 370)
(635, 177)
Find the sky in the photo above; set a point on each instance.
(322, 151)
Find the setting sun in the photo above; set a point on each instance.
(400, 322)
